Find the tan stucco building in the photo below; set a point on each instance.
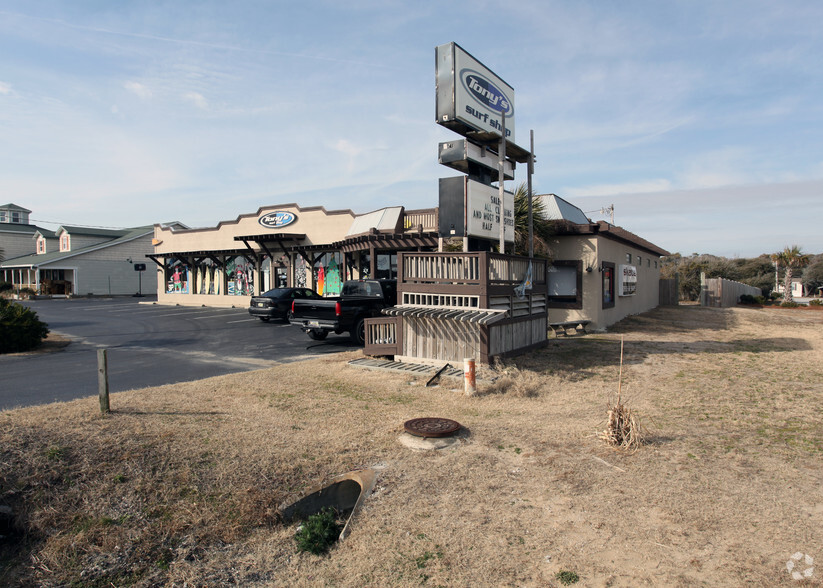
(284, 245)
(599, 272)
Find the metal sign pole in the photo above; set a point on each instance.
(500, 181)
(531, 171)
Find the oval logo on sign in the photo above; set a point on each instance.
(485, 92)
(277, 219)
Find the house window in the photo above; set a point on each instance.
(64, 243)
(3, 217)
(566, 284)
(608, 284)
(628, 258)
(639, 261)
(41, 245)
(15, 217)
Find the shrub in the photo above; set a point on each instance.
(776, 296)
(816, 302)
(788, 304)
(20, 329)
(26, 293)
(6, 287)
(749, 299)
(567, 577)
(319, 531)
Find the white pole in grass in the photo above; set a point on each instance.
(469, 376)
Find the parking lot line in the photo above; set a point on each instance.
(189, 312)
(208, 316)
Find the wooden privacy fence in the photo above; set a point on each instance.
(722, 293)
(669, 292)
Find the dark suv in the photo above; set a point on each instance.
(276, 303)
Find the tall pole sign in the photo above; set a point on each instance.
(474, 102)
(501, 183)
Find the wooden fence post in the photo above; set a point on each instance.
(103, 379)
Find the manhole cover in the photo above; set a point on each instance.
(431, 427)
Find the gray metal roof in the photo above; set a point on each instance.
(558, 209)
(13, 207)
(385, 219)
(38, 259)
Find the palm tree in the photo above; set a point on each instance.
(790, 258)
(542, 228)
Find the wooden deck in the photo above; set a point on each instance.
(457, 305)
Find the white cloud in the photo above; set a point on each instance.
(720, 167)
(197, 99)
(138, 89)
(656, 185)
(346, 147)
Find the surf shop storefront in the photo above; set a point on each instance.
(284, 246)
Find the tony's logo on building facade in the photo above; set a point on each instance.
(277, 219)
(486, 93)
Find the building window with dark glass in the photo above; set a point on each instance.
(565, 280)
(608, 284)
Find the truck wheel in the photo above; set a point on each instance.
(317, 335)
(265, 319)
(358, 333)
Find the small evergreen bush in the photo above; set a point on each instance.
(788, 304)
(747, 299)
(816, 302)
(567, 577)
(318, 532)
(20, 329)
(6, 287)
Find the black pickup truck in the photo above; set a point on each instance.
(358, 300)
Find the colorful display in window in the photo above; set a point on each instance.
(240, 274)
(178, 283)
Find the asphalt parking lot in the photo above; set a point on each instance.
(148, 345)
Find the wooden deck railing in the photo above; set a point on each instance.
(469, 268)
(382, 336)
(426, 218)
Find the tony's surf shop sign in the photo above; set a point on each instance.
(277, 219)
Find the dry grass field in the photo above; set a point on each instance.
(179, 485)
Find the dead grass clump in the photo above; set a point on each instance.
(514, 382)
(623, 429)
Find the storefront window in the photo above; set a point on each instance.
(240, 276)
(205, 278)
(365, 266)
(566, 284)
(300, 272)
(386, 266)
(327, 274)
(608, 285)
(177, 278)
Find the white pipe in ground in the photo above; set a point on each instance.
(469, 376)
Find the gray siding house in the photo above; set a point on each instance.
(79, 261)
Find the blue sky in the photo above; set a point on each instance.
(702, 122)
